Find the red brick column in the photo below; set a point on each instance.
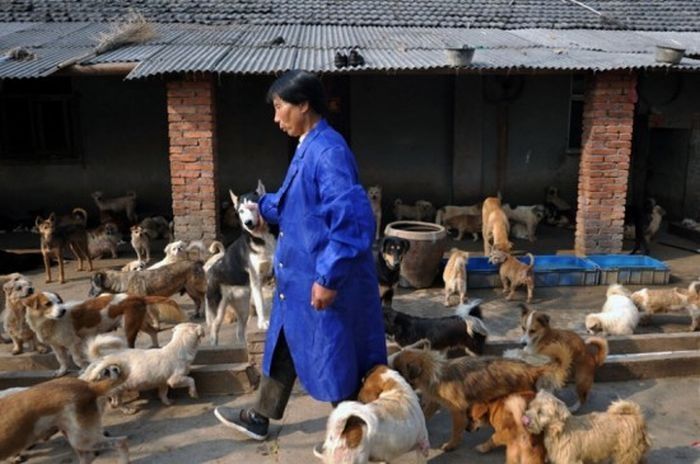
(193, 160)
(608, 117)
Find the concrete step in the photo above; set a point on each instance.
(639, 366)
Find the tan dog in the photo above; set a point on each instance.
(505, 416)
(57, 239)
(465, 223)
(514, 273)
(619, 434)
(68, 404)
(654, 301)
(385, 423)
(450, 211)
(456, 384)
(14, 317)
(125, 204)
(495, 227)
(5, 278)
(539, 336)
(141, 243)
(374, 194)
(455, 275)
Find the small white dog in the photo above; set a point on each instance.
(174, 252)
(619, 316)
(155, 368)
(387, 417)
(529, 216)
(135, 265)
(620, 433)
(374, 194)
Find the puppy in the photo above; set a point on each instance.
(155, 368)
(14, 317)
(141, 243)
(495, 227)
(585, 356)
(126, 204)
(457, 384)
(384, 424)
(619, 434)
(505, 416)
(174, 252)
(464, 330)
(619, 316)
(391, 252)
(157, 227)
(450, 211)
(464, 223)
(514, 273)
(530, 216)
(653, 301)
(104, 239)
(134, 265)
(420, 211)
(455, 275)
(68, 404)
(374, 194)
(56, 239)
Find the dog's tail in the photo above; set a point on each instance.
(103, 344)
(633, 413)
(163, 309)
(555, 373)
(346, 416)
(107, 378)
(216, 247)
(439, 215)
(532, 261)
(471, 308)
(694, 289)
(81, 215)
(601, 352)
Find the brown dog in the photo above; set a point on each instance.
(495, 227)
(57, 238)
(456, 384)
(465, 223)
(585, 357)
(14, 317)
(662, 300)
(69, 405)
(505, 416)
(514, 273)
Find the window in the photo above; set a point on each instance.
(37, 121)
(575, 114)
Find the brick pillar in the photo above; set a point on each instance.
(608, 117)
(193, 161)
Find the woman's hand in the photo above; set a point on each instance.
(322, 297)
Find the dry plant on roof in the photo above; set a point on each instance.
(20, 54)
(131, 29)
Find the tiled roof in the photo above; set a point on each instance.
(644, 15)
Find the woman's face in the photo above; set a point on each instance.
(290, 117)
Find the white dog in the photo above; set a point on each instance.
(529, 216)
(174, 252)
(135, 265)
(374, 193)
(155, 368)
(619, 316)
(388, 417)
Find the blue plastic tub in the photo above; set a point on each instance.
(631, 269)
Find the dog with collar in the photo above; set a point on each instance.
(391, 252)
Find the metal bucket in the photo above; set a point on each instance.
(669, 54)
(460, 56)
(422, 261)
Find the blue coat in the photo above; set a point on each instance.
(326, 232)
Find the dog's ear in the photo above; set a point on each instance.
(413, 370)
(382, 243)
(524, 310)
(405, 244)
(479, 410)
(30, 302)
(38, 221)
(260, 190)
(234, 198)
(543, 319)
(52, 217)
(98, 278)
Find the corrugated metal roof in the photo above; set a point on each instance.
(43, 65)
(39, 34)
(181, 58)
(253, 60)
(126, 54)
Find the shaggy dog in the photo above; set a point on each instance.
(14, 317)
(69, 405)
(465, 223)
(421, 211)
(165, 281)
(450, 211)
(514, 273)
(505, 416)
(57, 238)
(654, 301)
(141, 243)
(155, 368)
(386, 423)
(619, 316)
(157, 227)
(464, 330)
(456, 384)
(530, 216)
(104, 239)
(619, 434)
(585, 356)
(374, 194)
(455, 275)
(391, 252)
(495, 227)
(125, 204)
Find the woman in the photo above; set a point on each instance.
(326, 325)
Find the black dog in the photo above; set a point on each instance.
(464, 330)
(389, 257)
(644, 225)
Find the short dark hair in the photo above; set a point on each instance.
(298, 86)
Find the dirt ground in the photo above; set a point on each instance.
(189, 433)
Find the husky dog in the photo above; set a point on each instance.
(246, 263)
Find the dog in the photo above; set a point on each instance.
(157, 227)
(619, 316)
(449, 211)
(530, 216)
(246, 263)
(420, 211)
(5, 279)
(514, 273)
(165, 281)
(134, 265)
(55, 239)
(539, 336)
(557, 211)
(374, 194)
(155, 368)
(217, 251)
(104, 239)
(126, 204)
(464, 330)
(495, 227)
(519, 231)
(68, 404)
(654, 301)
(464, 223)
(64, 326)
(392, 251)
(141, 243)
(14, 319)
(646, 221)
(505, 416)
(455, 275)
(174, 252)
(619, 434)
(384, 424)
(457, 384)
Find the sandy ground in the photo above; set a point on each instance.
(189, 433)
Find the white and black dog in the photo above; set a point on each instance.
(389, 257)
(244, 267)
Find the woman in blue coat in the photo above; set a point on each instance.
(326, 325)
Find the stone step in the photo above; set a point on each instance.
(640, 366)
